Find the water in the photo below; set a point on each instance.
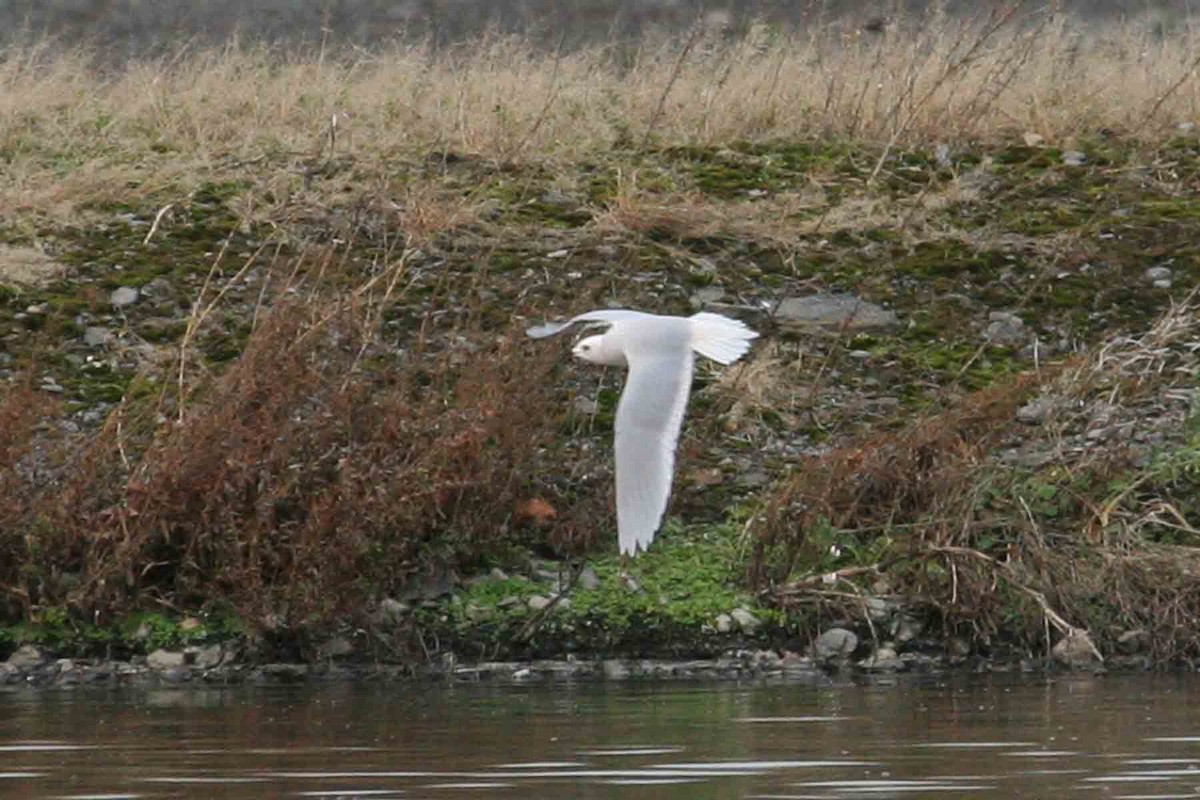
(1112, 737)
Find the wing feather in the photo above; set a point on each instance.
(603, 315)
(649, 417)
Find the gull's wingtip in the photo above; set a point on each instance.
(721, 338)
(542, 331)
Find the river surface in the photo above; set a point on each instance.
(992, 737)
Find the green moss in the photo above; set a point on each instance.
(683, 583)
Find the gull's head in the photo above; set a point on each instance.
(602, 349)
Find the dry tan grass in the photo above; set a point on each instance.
(69, 133)
(26, 266)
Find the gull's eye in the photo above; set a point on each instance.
(585, 347)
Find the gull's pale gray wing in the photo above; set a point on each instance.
(649, 417)
(603, 315)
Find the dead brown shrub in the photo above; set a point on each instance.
(309, 478)
(1084, 519)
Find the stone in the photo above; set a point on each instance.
(286, 672)
(724, 623)
(880, 610)
(94, 336)
(746, 621)
(1134, 641)
(706, 295)
(27, 657)
(392, 611)
(1075, 650)
(908, 627)
(159, 287)
(1005, 329)
(884, 659)
(1153, 274)
(124, 297)
(835, 643)
(539, 602)
(588, 579)
(165, 659)
(1074, 158)
(497, 574)
(523, 674)
(336, 647)
(1032, 139)
(835, 312)
(614, 669)
(1035, 411)
(176, 674)
(206, 657)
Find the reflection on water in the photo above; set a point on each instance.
(1113, 737)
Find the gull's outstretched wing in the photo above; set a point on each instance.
(649, 417)
(603, 315)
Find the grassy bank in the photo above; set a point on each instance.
(261, 314)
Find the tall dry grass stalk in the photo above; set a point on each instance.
(69, 132)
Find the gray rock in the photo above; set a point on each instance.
(884, 659)
(336, 647)
(392, 611)
(178, 674)
(630, 583)
(165, 659)
(958, 647)
(1005, 329)
(1074, 158)
(614, 669)
(27, 657)
(908, 627)
(746, 621)
(1075, 650)
(1035, 411)
(588, 579)
(539, 602)
(1155, 274)
(206, 657)
(835, 643)
(724, 623)
(97, 337)
(159, 287)
(707, 294)
(833, 312)
(124, 297)
(286, 672)
(522, 674)
(431, 585)
(9, 673)
(497, 574)
(1134, 641)
(509, 601)
(880, 610)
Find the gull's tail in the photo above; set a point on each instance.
(722, 339)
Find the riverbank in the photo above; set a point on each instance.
(265, 382)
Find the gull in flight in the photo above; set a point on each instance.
(659, 351)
